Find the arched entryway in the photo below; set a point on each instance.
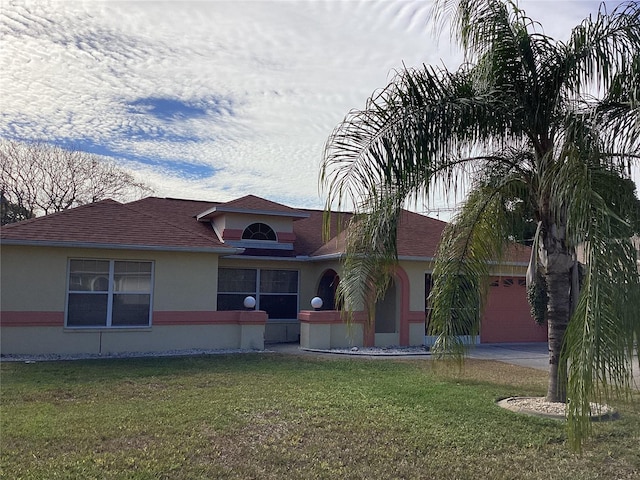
(327, 289)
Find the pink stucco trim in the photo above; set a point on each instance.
(403, 281)
(232, 234)
(286, 237)
(327, 317)
(32, 319)
(416, 317)
(369, 334)
(235, 317)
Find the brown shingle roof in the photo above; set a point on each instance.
(310, 239)
(251, 202)
(166, 223)
(252, 205)
(109, 223)
(418, 237)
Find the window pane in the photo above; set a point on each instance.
(130, 310)
(227, 301)
(132, 276)
(259, 231)
(278, 281)
(86, 309)
(89, 275)
(280, 306)
(237, 280)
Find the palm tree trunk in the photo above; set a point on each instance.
(558, 314)
(558, 262)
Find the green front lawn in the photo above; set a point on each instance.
(269, 416)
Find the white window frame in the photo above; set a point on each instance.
(110, 292)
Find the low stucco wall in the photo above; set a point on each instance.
(325, 330)
(228, 330)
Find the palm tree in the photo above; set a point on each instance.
(527, 119)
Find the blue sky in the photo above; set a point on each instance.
(213, 100)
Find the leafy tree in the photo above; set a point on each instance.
(553, 124)
(39, 178)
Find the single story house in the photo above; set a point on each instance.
(162, 274)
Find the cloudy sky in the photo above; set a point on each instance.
(213, 100)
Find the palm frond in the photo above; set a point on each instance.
(617, 114)
(599, 342)
(411, 135)
(471, 245)
(601, 47)
(371, 253)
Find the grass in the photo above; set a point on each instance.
(269, 416)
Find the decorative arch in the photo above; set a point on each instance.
(259, 231)
(327, 289)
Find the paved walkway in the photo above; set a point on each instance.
(532, 355)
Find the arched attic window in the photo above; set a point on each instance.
(259, 231)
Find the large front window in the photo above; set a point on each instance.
(275, 291)
(109, 293)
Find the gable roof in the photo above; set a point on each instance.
(250, 204)
(110, 224)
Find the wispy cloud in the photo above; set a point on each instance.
(216, 99)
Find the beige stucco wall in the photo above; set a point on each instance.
(416, 272)
(32, 279)
(313, 274)
(185, 281)
(324, 332)
(35, 278)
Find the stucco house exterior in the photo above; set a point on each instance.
(162, 274)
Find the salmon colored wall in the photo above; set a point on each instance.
(507, 317)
